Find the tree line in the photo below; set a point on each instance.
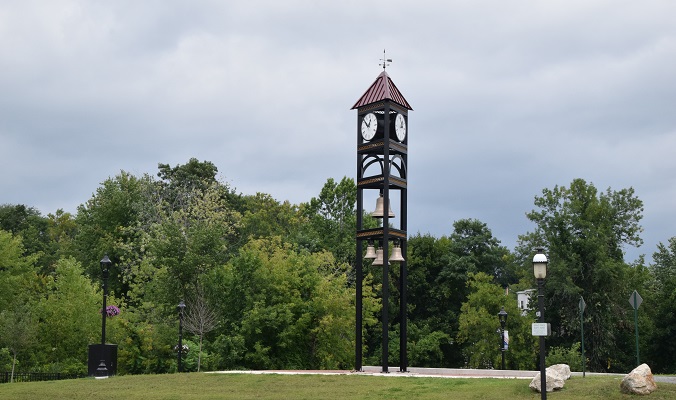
(271, 285)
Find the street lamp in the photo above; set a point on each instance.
(102, 370)
(502, 316)
(181, 306)
(540, 271)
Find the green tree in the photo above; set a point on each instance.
(662, 348)
(146, 341)
(332, 220)
(479, 325)
(62, 230)
(438, 273)
(180, 182)
(70, 317)
(263, 216)
(283, 308)
(471, 249)
(108, 223)
(17, 331)
(475, 250)
(28, 223)
(19, 285)
(190, 241)
(584, 232)
(17, 272)
(432, 308)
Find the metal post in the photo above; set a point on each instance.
(102, 370)
(502, 316)
(385, 297)
(543, 372)
(386, 238)
(403, 323)
(502, 348)
(181, 306)
(635, 300)
(103, 311)
(403, 278)
(638, 358)
(358, 350)
(358, 309)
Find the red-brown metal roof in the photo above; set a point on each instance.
(383, 88)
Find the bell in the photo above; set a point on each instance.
(378, 213)
(379, 257)
(370, 251)
(396, 254)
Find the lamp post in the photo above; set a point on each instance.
(181, 306)
(540, 271)
(102, 370)
(502, 316)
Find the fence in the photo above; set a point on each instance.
(6, 377)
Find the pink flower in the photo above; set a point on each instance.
(112, 311)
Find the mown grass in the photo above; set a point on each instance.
(200, 386)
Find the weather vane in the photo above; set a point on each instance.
(385, 61)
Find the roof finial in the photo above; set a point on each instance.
(385, 61)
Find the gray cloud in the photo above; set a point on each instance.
(509, 98)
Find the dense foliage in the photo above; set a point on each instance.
(584, 232)
(270, 285)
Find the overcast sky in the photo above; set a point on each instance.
(509, 98)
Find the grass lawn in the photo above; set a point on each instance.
(200, 386)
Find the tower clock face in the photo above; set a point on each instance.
(400, 127)
(369, 126)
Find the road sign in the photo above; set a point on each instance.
(582, 304)
(541, 329)
(635, 300)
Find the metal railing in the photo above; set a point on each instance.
(6, 377)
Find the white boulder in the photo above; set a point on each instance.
(562, 369)
(556, 376)
(639, 381)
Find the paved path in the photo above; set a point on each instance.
(435, 372)
(454, 373)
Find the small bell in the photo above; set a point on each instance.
(370, 251)
(396, 254)
(379, 257)
(379, 212)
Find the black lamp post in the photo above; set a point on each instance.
(102, 370)
(540, 271)
(181, 306)
(502, 316)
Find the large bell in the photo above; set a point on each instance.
(379, 212)
(396, 254)
(370, 251)
(379, 257)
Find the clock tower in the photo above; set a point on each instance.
(382, 172)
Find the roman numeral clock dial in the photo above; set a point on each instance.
(369, 126)
(400, 127)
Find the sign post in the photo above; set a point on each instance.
(635, 300)
(582, 306)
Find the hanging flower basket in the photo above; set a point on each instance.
(184, 351)
(111, 311)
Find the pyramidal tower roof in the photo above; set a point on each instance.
(382, 89)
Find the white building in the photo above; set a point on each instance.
(523, 299)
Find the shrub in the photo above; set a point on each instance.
(570, 356)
